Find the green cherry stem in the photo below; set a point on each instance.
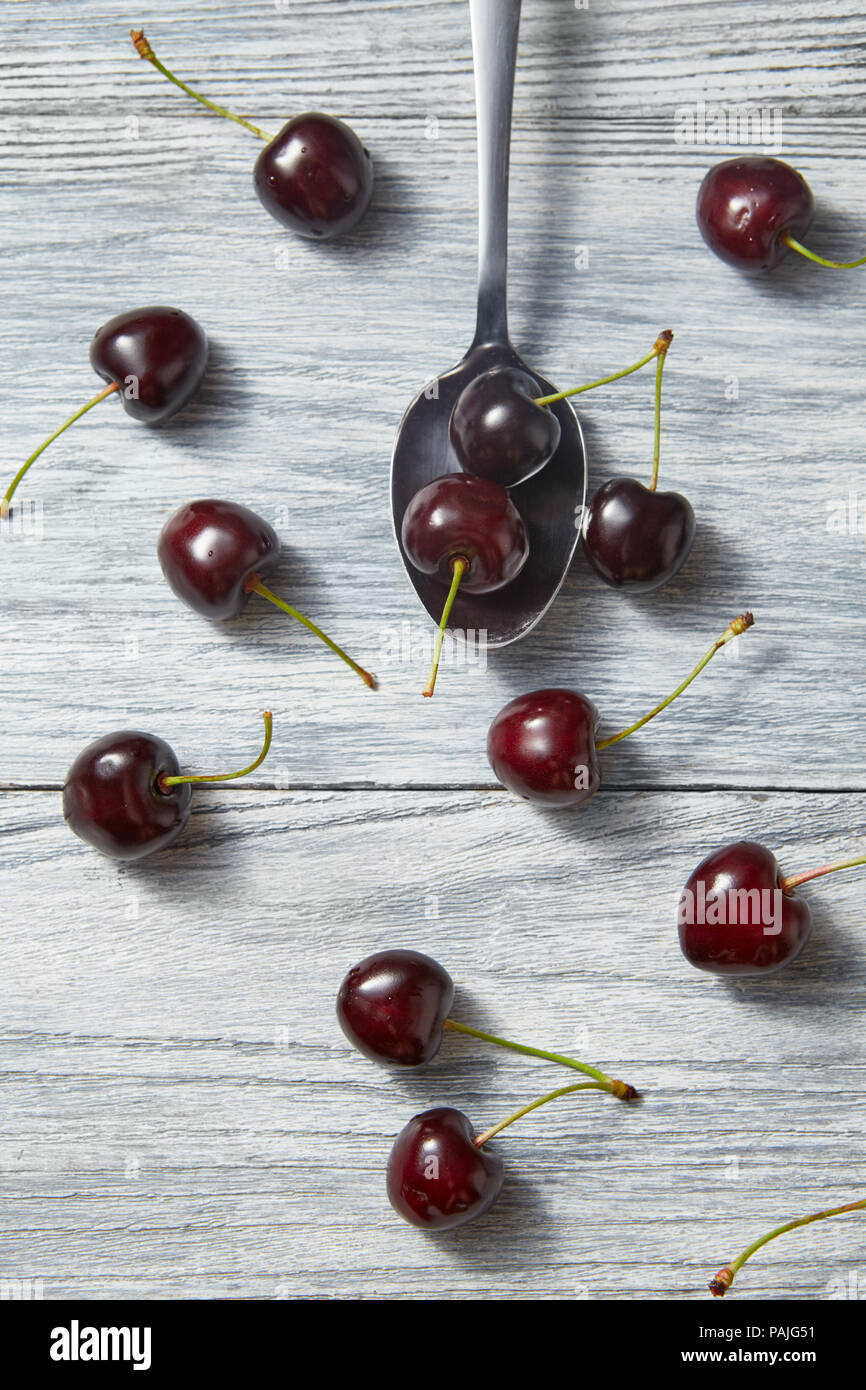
(659, 348)
(661, 354)
(734, 629)
(145, 51)
(789, 884)
(724, 1279)
(798, 246)
(458, 569)
(489, 1134)
(620, 1089)
(177, 780)
(4, 504)
(254, 585)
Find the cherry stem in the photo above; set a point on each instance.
(458, 569)
(661, 354)
(734, 629)
(620, 1089)
(525, 1109)
(798, 246)
(145, 51)
(4, 504)
(659, 348)
(788, 884)
(725, 1277)
(255, 586)
(164, 782)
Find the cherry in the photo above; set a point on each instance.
(753, 209)
(155, 357)
(466, 531)
(125, 795)
(314, 175)
(543, 747)
(214, 555)
(724, 1279)
(634, 537)
(497, 429)
(394, 1005)
(738, 916)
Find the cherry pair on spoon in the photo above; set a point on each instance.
(126, 796)
(753, 210)
(154, 357)
(314, 176)
(543, 747)
(214, 554)
(739, 916)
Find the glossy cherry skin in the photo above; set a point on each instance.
(437, 1178)
(542, 747)
(746, 204)
(751, 945)
(210, 549)
(459, 515)
(636, 539)
(315, 176)
(393, 1005)
(156, 355)
(112, 797)
(498, 432)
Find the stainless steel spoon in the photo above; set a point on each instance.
(552, 501)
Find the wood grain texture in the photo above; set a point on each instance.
(181, 1116)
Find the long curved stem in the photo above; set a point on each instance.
(145, 51)
(458, 569)
(659, 348)
(789, 884)
(657, 430)
(739, 625)
(176, 780)
(618, 1088)
(525, 1109)
(798, 246)
(4, 504)
(255, 586)
(724, 1279)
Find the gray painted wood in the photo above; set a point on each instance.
(181, 1115)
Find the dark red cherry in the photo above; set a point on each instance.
(747, 205)
(459, 516)
(542, 747)
(437, 1178)
(635, 538)
(156, 356)
(210, 549)
(315, 176)
(736, 918)
(393, 1005)
(113, 800)
(498, 432)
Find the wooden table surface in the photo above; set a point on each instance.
(180, 1115)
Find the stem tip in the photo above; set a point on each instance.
(663, 341)
(142, 46)
(719, 1286)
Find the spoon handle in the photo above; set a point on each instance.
(494, 44)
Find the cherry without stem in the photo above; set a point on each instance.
(155, 357)
(313, 176)
(214, 554)
(468, 533)
(752, 210)
(739, 916)
(126, 796)
(542, 746)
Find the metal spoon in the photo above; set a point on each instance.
(552, 501)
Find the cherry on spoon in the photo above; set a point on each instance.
(542, 746)
(126, 796)
(394, 1005)
(752, 210)
(550, 504)
(155, 357)
(314, 176)
(724, 1279)
(215, 554)
(738, 915)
